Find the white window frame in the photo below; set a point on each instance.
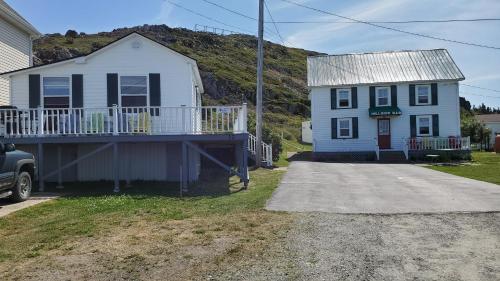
(430, 125)
(388, 96)
(122, 95)
(350, 128)
(429, 95)
(349, 97)
(43, 96)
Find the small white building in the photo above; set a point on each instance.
(398, 102)
(492, 122)
(306, 132)
(16, 36)
(128, 111)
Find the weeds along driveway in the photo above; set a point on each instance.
(379, 188)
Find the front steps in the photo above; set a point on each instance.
(392, 156)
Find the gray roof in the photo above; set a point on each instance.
(384, 67)
(488, 118)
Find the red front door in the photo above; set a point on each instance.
(384, 133)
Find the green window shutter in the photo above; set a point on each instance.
(413, 126)
(435, 125)
(434, 93)
(355, 130)
(334, 128)
(34, 90)
(394, 95)
(372, 96)
(354, 97)
(333, 98)
(412, 95)
(77, 90)
(112, 79)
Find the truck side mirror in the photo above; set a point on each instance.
(9, 147)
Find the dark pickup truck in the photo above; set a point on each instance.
(17, 171)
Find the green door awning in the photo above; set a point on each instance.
(384, 111)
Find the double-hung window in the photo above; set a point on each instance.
(56, 92)
(424, 125)
(134, 91)
(344, 128)
(344, 98)
(423, 94)
(383, 97)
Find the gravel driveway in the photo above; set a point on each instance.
(379, 188)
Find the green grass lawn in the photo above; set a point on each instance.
(36, 231)
(291, 146)
(485, 166)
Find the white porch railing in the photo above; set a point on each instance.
(116, 120)
(267, 150)
(438, 143)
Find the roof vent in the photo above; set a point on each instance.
(136, 44)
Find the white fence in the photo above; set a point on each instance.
(122, 120)
(267, 150)
(438, 143)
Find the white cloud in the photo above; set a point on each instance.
(164, 15)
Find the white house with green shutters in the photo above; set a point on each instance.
(385, 105)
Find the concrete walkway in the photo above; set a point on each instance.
(6, 207)
(379, 188)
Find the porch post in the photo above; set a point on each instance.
(116, 168)
(244, 171)
(185, 168)
(41, 184)
(59, 163)
(40, 120)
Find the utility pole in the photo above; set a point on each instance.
(260, 86)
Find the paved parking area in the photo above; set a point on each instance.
(379, 188)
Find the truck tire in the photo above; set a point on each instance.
(22, 189)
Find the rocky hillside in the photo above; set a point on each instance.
(227, 64)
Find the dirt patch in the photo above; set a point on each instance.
(397, 247)
(216, 247)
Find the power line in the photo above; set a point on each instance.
(486, 96)
(207, 17)
(477, 87)
(237, 13)
(396, 22)
(274, 23)
(390, 28)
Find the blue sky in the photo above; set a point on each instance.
(480, 66)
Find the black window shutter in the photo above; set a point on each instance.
(355, 130)
(112, 89)
(435, 125)
(154, 92)
(333, 98)
(413, 126)
(354, 97)
(34, 90)
(372, 96)
(334, 128)
(434, 93)
(77, 90)
(412, 95)
(394, 95)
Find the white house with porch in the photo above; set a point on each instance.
(128, 111)
(387, 105)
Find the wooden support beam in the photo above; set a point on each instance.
(59, 163)
(41, 183)
(213, 159)
(116, 168)
(185, 165)
(74, 162)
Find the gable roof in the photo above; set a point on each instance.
(488, 118)
(383, 67)
(16, 19)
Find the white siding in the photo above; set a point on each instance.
(495, 130)
(447, 108)
(15, 53)
(122, 58)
